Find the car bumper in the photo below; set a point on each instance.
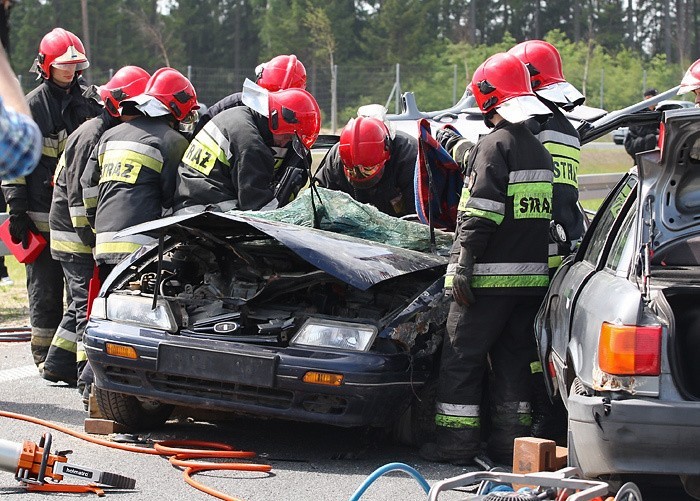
(634, 436)
(252, 380)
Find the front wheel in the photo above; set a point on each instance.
(416, 425)
(130, 411)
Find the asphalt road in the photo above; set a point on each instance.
(308, 462)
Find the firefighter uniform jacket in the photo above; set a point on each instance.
(394, 194)
(562, 141)
(229, 164)
(504, 212)
(130, 179)
(58, 113)
(72, 238)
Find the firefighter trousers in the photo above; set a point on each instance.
(45, 287)
(496, 329)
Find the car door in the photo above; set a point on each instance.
(553, 325)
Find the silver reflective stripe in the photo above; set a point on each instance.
(144, 149)
(108, 236)
(524, 408)
(531, 176)
(457, 409)
(39, 217)
(553, 249)
(552, 136)
(511, 269)
(65, 236)
(216, 134)
(92, 192)
(452, 268)
(77, 211)
(486, 204)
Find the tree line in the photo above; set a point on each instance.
(611, 49)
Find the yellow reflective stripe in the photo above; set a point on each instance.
(503, 281)
(536, 367)
(70, 247)
(80, 221)
(465, 206)
(60, 165)
(64, 344)
(203, 152)
(116, 248)
(531, 200)
(457, 421)
(81, 355)
(18, 181)
(554, 261)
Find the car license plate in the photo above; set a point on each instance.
(250, 369)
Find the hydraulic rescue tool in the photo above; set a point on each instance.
(35, 466)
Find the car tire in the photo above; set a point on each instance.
(416, 426)
(130, 411)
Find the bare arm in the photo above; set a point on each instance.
(10, 90)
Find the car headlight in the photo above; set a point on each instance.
(333, 334)
(137, 310)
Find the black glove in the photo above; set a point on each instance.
(461, 290)
(20, 226)
(650, 141)
(447, 138)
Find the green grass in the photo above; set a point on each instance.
(14, 310)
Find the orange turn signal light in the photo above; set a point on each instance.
(121, 350)
(325, 378)
(627, 350)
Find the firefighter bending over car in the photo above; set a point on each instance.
(279, 73)
(59, 108)
(242, 156)
(72, 238)
(373, 165)
(130, 175)
(498, 271)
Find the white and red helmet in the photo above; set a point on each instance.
(543, 62)
(691, 79)
(502, 84)
(289, 111)
(364, 149)
(59, 47)
(281, 72)
(127, 82)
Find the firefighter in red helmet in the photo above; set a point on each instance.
(497, 274)
(240, 158)
(130, 175)
(691, 81)
(372, 165)
(59, 108)
(279, 73)
(72, 239)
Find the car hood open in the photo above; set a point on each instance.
(358, 262)
(670, 180)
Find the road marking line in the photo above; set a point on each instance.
(17, 373)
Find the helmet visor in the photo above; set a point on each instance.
(363, 176)
(563, 94)
(67, 66)
(518, 109)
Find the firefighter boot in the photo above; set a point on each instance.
(509, 420)
(549, 418)
(458, 446)
(40, 343)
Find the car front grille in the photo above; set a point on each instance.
(218, 390)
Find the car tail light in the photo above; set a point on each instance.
(662, 135)
(627, 350)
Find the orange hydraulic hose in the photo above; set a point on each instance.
(179, 452)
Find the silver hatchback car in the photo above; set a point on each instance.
(619, 329)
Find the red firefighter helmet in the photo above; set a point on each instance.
(502, 83)
(364, 149)
(691, 79)
(281, 72)
(127, 82)
(174, 90)
(543, 62)
(59, 47)
(294, 111)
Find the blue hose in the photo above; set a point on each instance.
(385, 469)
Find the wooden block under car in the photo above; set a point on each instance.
(561, 459)
(103, 426)
(531, 455)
